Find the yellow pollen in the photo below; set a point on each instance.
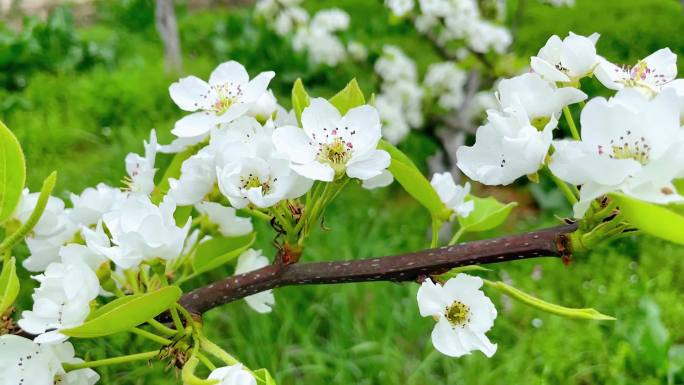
(458, 314)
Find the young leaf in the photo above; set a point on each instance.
(218, 251)
(568, 312)
(679, 185)
(300, 99)
(125, 313)
(487, 214)
(351, 96)
(413, 181)
(263, 377)
(9, 285)
(652, 219)
(12, 172)
(17, 236)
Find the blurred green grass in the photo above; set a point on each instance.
(83, 123)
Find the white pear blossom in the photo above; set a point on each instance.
(330, 145)
(452, 194)
(252, 260)
(197, 179)
(321, 46)
(232, 375)
(505, 148)
(629, 144)
(330, 20)
(566, 60)
(25, 362)
(538, 98)
(61, 301)
(229, 224)
(648, 75)
(142, 231)
(92, 203)
(228, 95)
(54, 229)
(261, 182)
(445, 81)
(141, 169)
(463, 314)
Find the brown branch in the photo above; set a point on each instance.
(407, 267)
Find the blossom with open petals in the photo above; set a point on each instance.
(25, 362)
(648, 75)
(506, 148)
(228, 95)
(331, 145)
(61, 301)
(141, 230)
(630, 143)
(463, 313)
(141, 169)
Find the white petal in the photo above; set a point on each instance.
(191, 93)
(315, 171)
(383, 180)
(431, 299)
(547, 70)
(257, 86)
(446, 341)
(319, 117)
(229, 72)
(195, 124)
(293, 142)
(364, 121)
(369, 167)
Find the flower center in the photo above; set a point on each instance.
(227, 95)
(458, 314)
(252, 181)
(628, 148)
(336, 153)
(641, 76)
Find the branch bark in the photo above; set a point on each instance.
(401, 268)
(165, 20)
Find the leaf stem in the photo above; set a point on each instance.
(111, 361)
(571, 123)
(151, 336)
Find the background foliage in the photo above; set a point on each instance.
(80, 98)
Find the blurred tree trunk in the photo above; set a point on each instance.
(165, 20)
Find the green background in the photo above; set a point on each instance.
(90, 93)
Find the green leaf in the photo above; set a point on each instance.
(125, 313)
(17, 236)
(182, 214)
(12, 172)
(9, 285)
(487, 214)
(300, 99)
(567, 312)
(263, 377)
(218, 251)
(652, 219)
(679, 185)
(351, 96)
(414, 182)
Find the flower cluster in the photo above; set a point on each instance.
(318, 36)
(457, 21)
(630, 142)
